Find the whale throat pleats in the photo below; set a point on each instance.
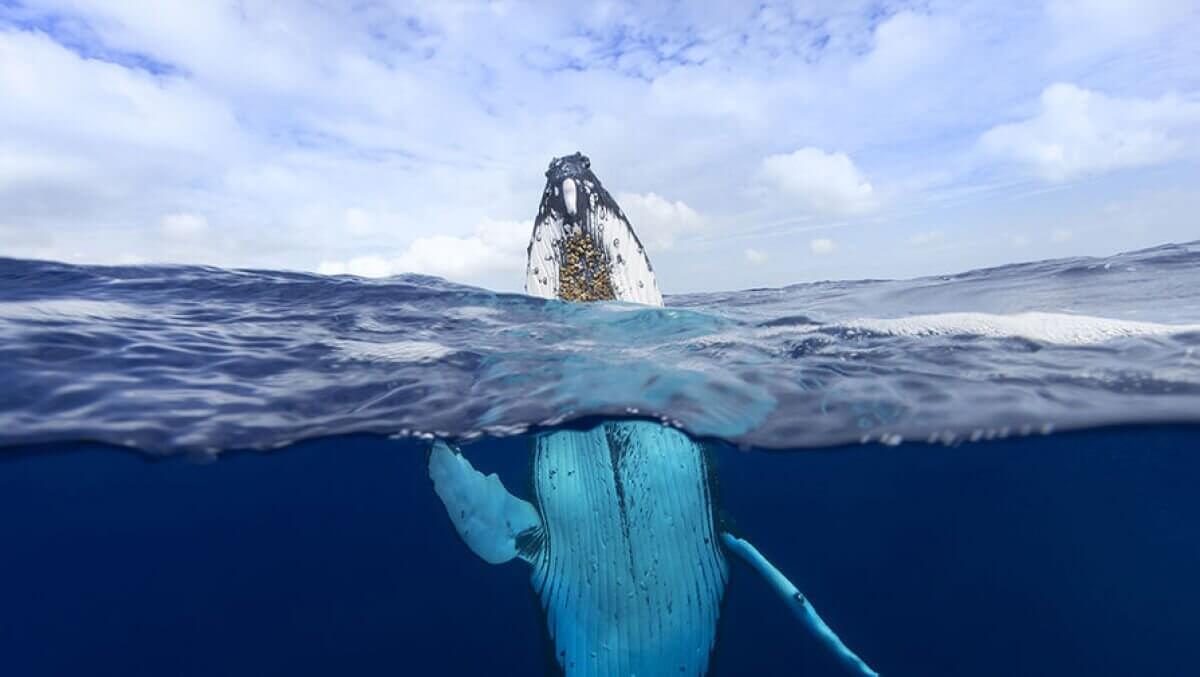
(631, 573)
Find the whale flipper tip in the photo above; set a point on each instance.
(797, 602)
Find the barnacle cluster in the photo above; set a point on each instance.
(584, 274)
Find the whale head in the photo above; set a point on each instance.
(583, 248)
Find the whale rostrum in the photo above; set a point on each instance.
(627, 553)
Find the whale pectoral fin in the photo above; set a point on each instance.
(798, 603)
(493, 523)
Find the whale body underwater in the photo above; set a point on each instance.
(628, 554)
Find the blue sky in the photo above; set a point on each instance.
(750, 144)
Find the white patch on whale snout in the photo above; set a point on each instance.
(568, 191)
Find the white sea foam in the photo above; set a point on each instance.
(1057, 328)
(394, 351)
(473, 313)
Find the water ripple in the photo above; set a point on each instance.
(177, 358)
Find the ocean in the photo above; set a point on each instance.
(223, 472)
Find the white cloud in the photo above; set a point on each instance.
(755, 256)
(92, 141)
(694, 92)
(905, 44)
(1079, 132)
(821, 246)
(656, 220)
(362, 266)
(822, 181)
(370, 136)
(46, 87)
(494, 247)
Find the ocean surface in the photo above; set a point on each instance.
(218, 472)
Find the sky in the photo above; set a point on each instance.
(750, 144)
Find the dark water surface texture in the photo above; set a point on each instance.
(185, 358)
(147, 531)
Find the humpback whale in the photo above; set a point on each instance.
(628, 555)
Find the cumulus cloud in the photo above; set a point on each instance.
(657, 220)
(365, 137)
(494, 247)
(47, 85)
(822, 181)
(81, 136)
(905, 44)
(496, 250)
(821, 246)
(1078, 132)
(362, 266)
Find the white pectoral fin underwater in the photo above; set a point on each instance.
(628, 556)
(492, 522)
(796, 601)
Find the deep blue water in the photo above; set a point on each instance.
(211, 472)
(1073, 554)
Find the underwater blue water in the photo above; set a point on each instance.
(212, 472)
(1072, 554)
